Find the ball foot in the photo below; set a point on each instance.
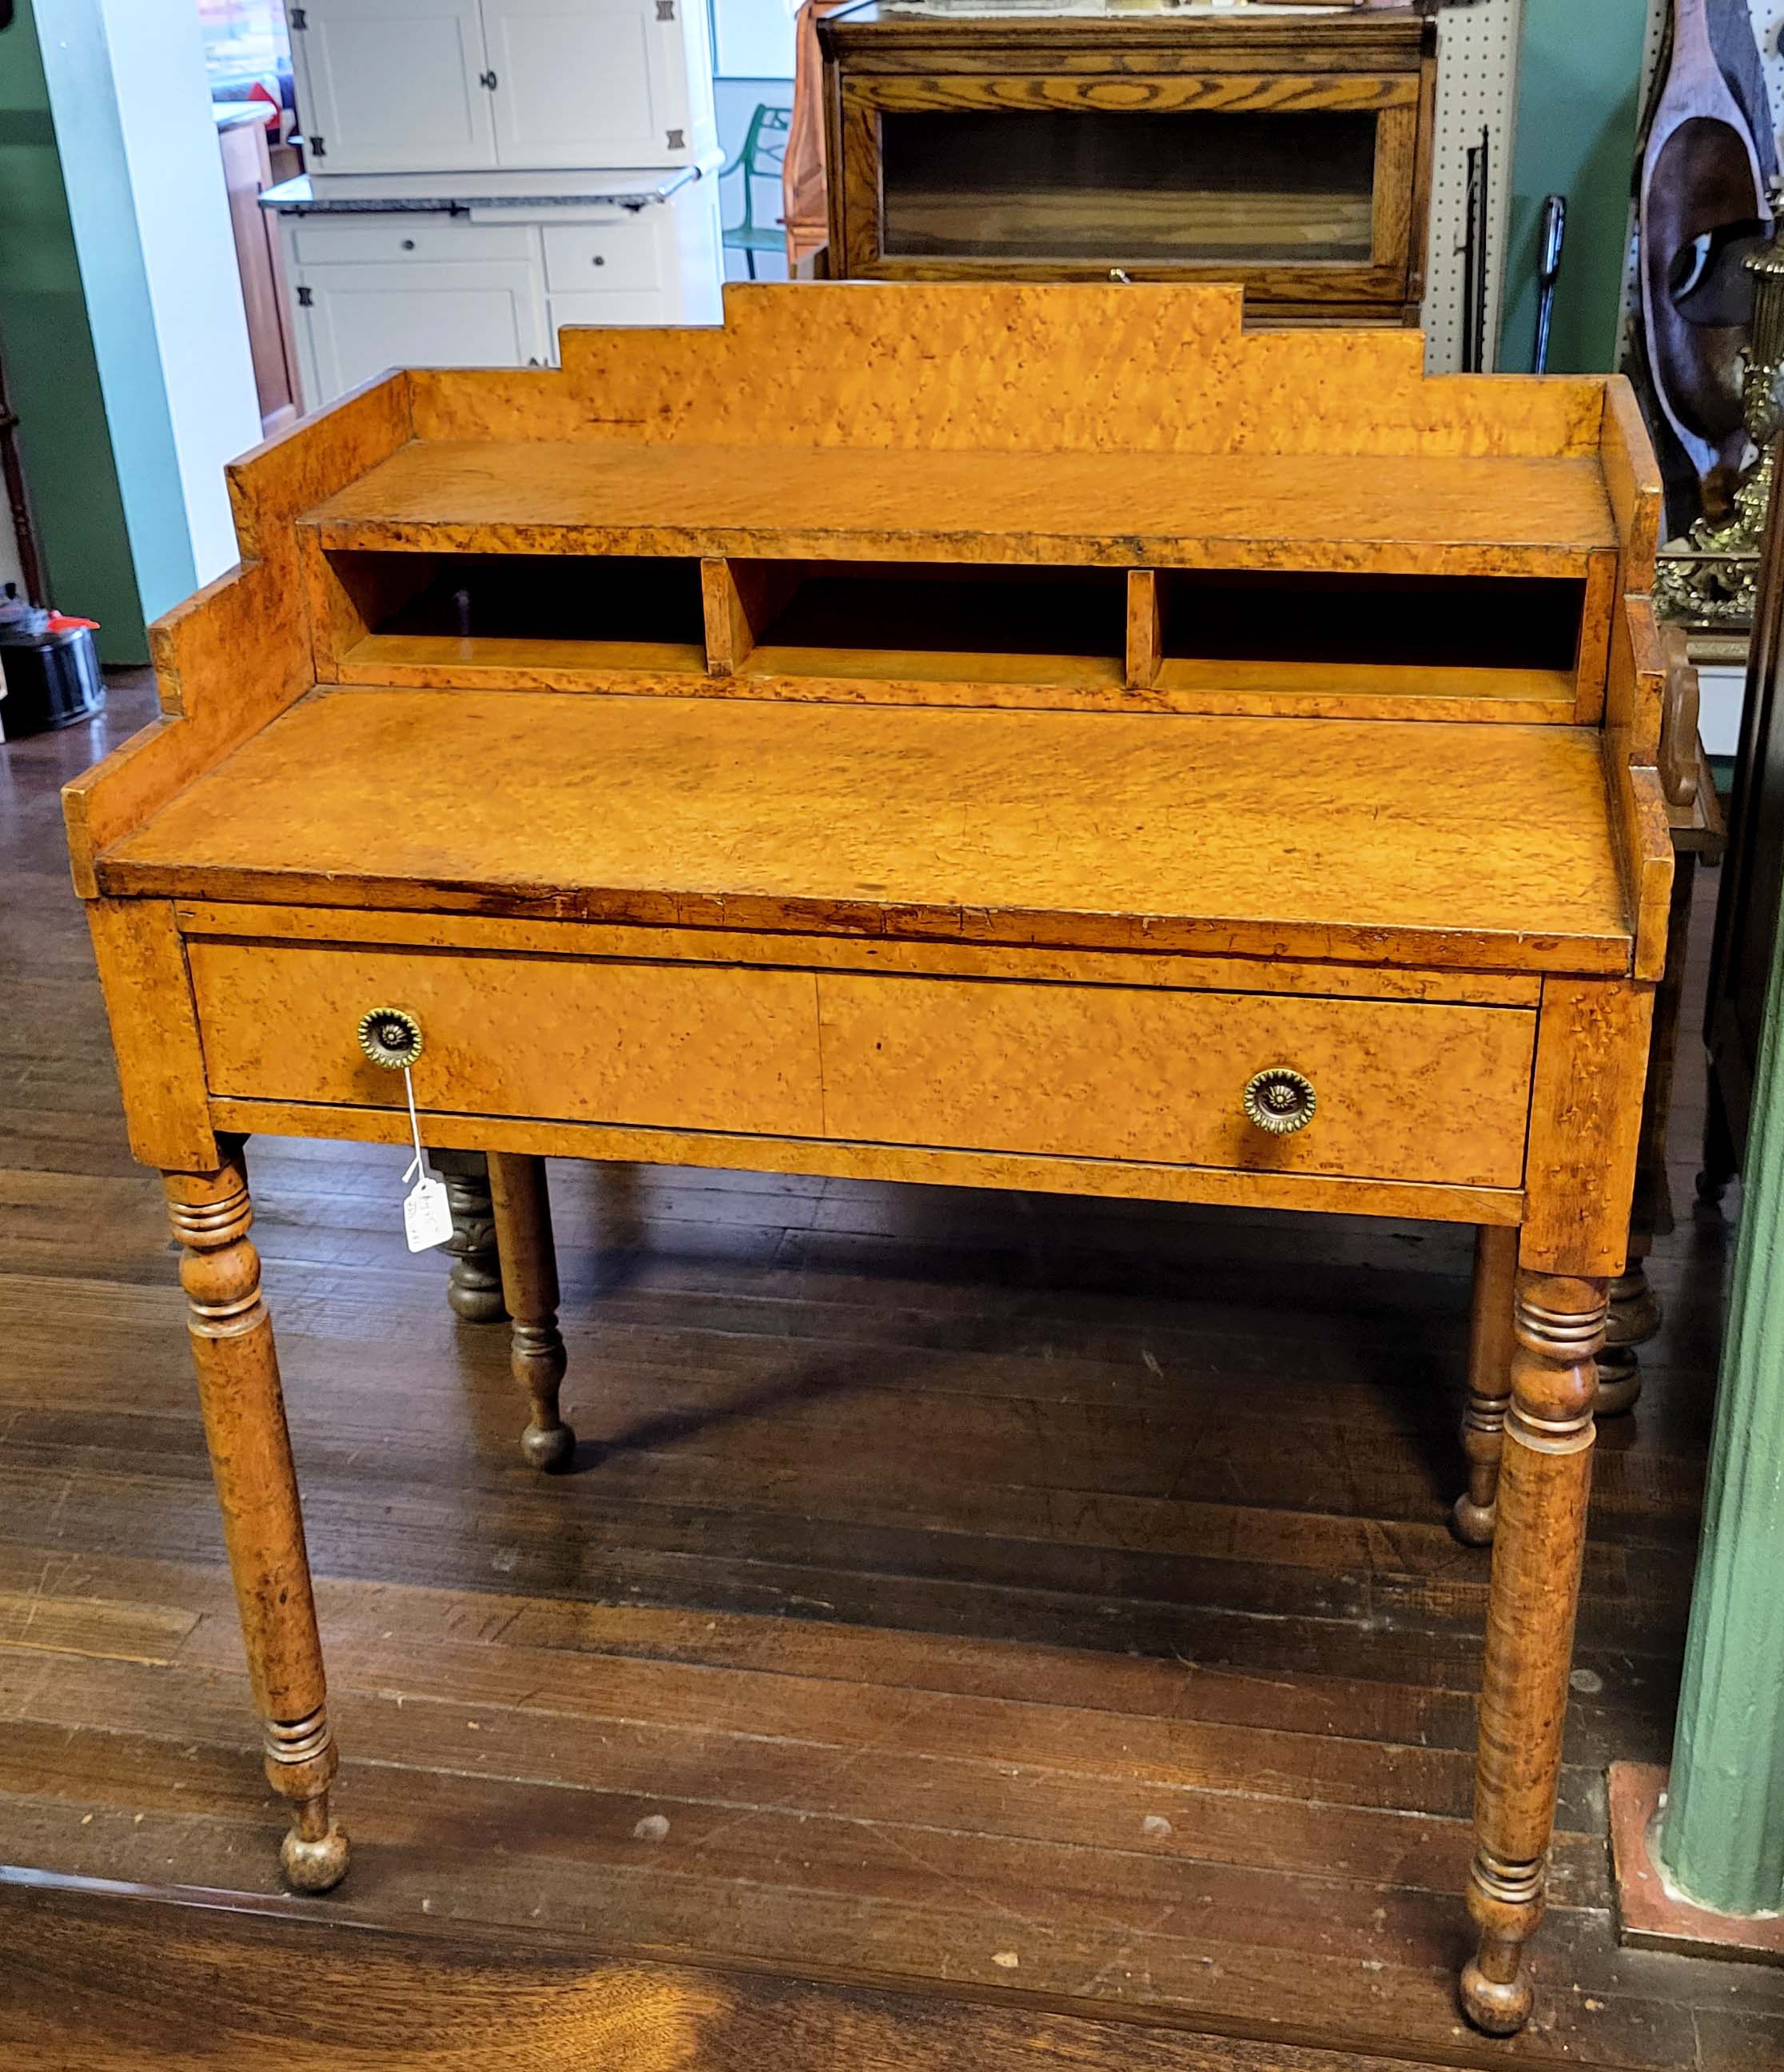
(1619, 1383)
(314, 1866)
(547, 1448)
(1494, 2009)
(1473, 1522)
(475, 1302)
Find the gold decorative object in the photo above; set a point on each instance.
(1709, 579)
(1280, 1099)
(390, 1037)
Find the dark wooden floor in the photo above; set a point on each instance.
(983, 1610)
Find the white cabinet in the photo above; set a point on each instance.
(393, 86)
(610, 75)
(357, 317)
(392, 287)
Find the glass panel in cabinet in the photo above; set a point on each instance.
(1093, 186)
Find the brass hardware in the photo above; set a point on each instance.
(1279, 1099)
(390, 1037)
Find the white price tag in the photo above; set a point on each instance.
(427, 1217)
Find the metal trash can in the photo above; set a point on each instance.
(51, 667)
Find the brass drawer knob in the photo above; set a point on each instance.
(1279, 1099)
(390, 1037)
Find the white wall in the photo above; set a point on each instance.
(182, 213)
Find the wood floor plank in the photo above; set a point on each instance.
(106, 1981)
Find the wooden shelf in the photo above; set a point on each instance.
(445, 660)
(1390, 691)
(1448, 514)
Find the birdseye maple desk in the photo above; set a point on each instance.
(1019, 737)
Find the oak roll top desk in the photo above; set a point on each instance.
(1035, 736)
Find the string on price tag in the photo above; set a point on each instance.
(427, 1215)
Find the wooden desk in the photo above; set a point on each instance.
(1037, 738)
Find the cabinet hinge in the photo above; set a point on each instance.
(678, 141)
(315, 147)
(296, 18)
(486, 79)
(665, 11)
(306, 300)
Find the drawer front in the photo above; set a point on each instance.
(668, 1046)
(345, 238)
(1403, 1091)
(620, 258)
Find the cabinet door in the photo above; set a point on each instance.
(589, 82)
(362, 319)
(393, 86)
(1301, 187)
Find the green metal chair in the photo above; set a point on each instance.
(762, 157)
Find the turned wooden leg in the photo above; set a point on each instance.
(474, 1288)
(1489, 1379)
(238, 1386)
(529, 1282)
(1634, 1319)
(1544, 1478)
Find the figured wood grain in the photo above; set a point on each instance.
(1394, 226)
(575, 938)
(1303, 838)
(495, 661)
(1431, 511)
(1632, 481)
(210, 701)
(1645, 853)
(1131, 90)
(1050, 683)
(1636, 678)
(1406, 1092)
(1132, 1180)
(698, 1047)
(1145, 638)
(1599, 605)
(154, 1032)
(1057, 368)
(1322, 39)
(1585, 1119)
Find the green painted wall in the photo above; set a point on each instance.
(52, 366)
(1721, 1837)
(1579, 91)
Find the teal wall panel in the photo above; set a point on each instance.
(52, 366)
(1579, 89)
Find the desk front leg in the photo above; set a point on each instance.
(244, 1428)
(1545, 1476)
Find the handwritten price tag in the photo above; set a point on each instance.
(427, 1219)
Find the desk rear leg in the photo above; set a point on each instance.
(529, 1285)
(474, 1288)
(244, 1428)
(1489, 1381)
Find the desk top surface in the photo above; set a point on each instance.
(1507, 513)
(1392, 842)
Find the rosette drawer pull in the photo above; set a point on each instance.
(390, 1037)
(1279, 1099)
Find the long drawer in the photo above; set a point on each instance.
(1401, 1090)
(666, 1046)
